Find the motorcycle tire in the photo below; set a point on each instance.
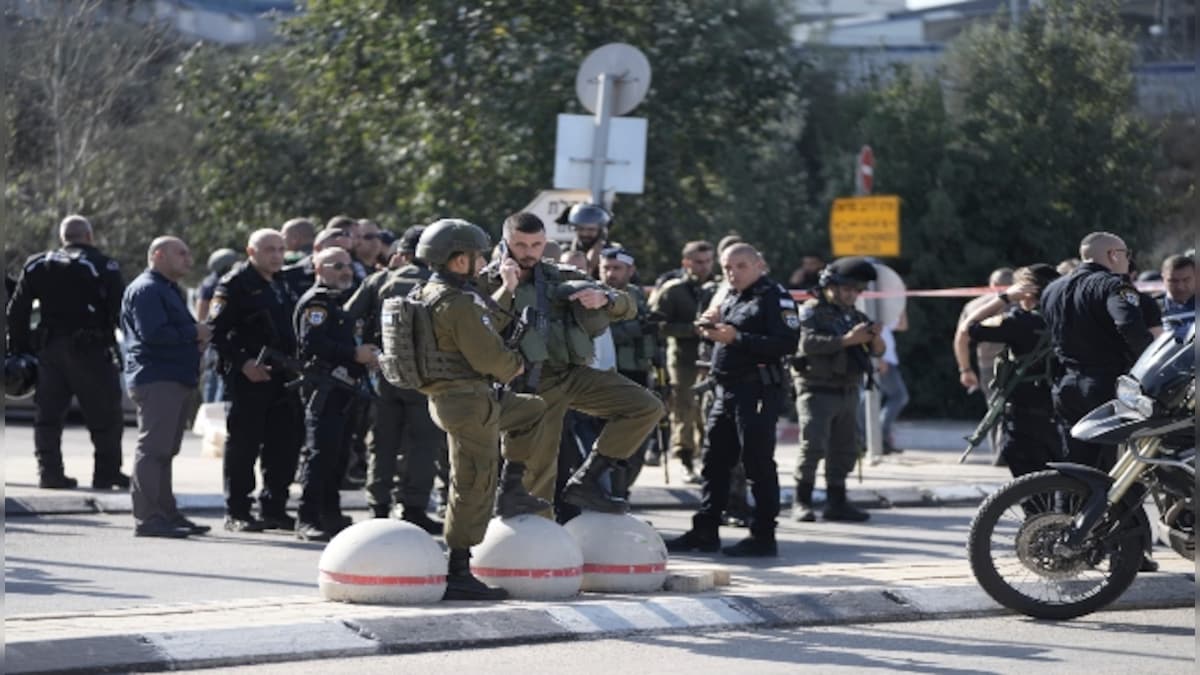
(1038, 507)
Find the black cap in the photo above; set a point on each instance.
(408, 240)
(845, 271)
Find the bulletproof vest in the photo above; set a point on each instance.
(566, 342)
(403, 281)
(411, 359)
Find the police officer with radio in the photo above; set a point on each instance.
(328, 335)
(405, 445)
(836, 341)
(79, 291)
(251, 309)
(754, 329)
(1097, 329)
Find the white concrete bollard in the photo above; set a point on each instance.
(382, 561)
(621, 554)
(530, 557)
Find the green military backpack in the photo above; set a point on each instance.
(405, 322)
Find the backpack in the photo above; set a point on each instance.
(407, 326)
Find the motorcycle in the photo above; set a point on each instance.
(1067, 541)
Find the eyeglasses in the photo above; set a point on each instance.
(336, 266)
(370, 236)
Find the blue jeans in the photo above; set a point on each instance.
(893, 398)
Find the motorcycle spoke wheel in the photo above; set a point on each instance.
(1016, 552)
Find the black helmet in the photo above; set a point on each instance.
(588, 214)
(847, 271)
(448, 236)
(20, 375)
(407, 242)
(222, 260)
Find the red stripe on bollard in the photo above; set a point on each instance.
(649, 568)
(531, 573)
(363, 580)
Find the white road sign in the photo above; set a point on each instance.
(625, 168)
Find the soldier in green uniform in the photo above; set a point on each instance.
(836, 341)
(468, 356)
(677, 304)
(572, 310)
(405, 446)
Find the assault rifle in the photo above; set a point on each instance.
(1011, 373)
(320, 375)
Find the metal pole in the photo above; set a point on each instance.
(872, 403)
(600, 140)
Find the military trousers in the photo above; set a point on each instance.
(629, 412)
(687, 421)
(91, 376)
(404, 449)
(480, 428)
(827, 419)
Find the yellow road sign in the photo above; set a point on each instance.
(865, 226)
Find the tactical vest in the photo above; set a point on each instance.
(411, 359)
(567, 342)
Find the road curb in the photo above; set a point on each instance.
(641, 498)
(498, 626)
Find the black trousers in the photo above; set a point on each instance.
(1076, 394)
(405, 448)
(327, 436)
(1031, 439)
(88, 373)
(741, 427)
(265, 425)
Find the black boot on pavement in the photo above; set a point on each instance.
(418, 517)
(381, 511)
(757, 545)
(703, 537)
(839, 507)
(57, 481)
(511, 498)
(462, 585)
(586, 490)
(181, 522)
(311, 532)
(108, 481)
(278, 521)
(243, 523)
(802, 506)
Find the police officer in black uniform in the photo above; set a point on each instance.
(1097, 329)
(1031, 437)
(755, 327)
(79, 293)
(405, 447)
(251, 309)
(327, 334)
(301, 275)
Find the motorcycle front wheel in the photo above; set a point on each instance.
(1017, 555)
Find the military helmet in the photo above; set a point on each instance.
(20, 375)
(448, 236)
(221, 260)
(847, 271)
(407, 242)
(589, 214)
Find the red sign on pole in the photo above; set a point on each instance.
(864, 172)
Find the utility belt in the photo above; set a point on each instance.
(829, 389)
(82, 339)
(767, 374)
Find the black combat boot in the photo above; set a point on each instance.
(839, 507)
(802, 506)
(511, 497)
(56, 480)
(702, 537)
(760, 544)
(417, 516)
(381, 510)
(462, 585)
(585, 488)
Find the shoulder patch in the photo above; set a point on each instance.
(215, 307)
(114, 266)
(791, 319)
(806, 313)
(315, 316)
(787, 301)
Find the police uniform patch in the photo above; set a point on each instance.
(806, 313)
(114, 266)
(791, 319)
(214, 309)
(487, 321)
(1131, 297)
(315, 316)
(787, 302)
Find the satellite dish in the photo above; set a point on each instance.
(886, 310)
(629, 70)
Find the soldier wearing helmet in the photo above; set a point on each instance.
(836, 341)
(591, 233)
(470, 356)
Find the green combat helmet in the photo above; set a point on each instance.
(449, 236)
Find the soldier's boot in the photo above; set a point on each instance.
(381, 510)
(802, 506)
(462, 585)
(760, 544)
(839, 507)
(512, 499)
(417, 516)
(585, 488)
(703, 537)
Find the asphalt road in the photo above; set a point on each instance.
(1152, 641)
(86, 563)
